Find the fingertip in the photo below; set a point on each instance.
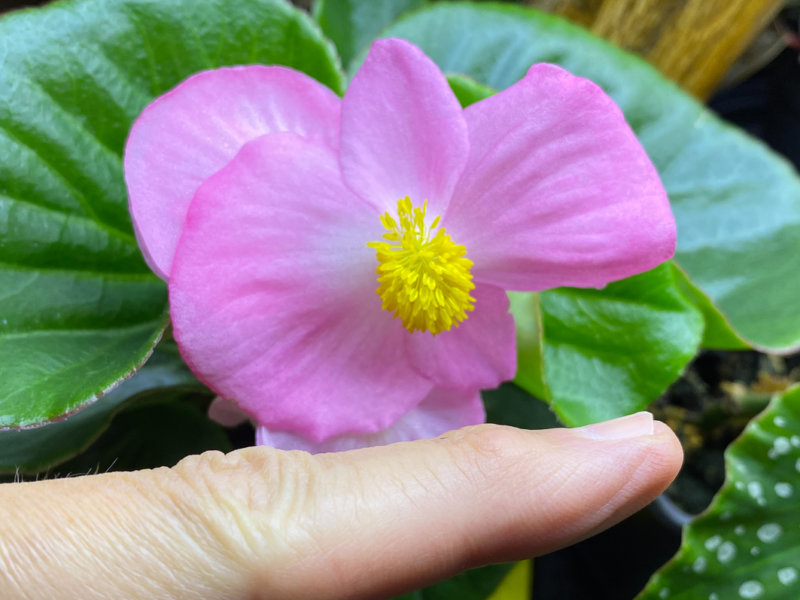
(656, 458)
(668, 454)
(661, 428)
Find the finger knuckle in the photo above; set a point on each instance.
(251, 502)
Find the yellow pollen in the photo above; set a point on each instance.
(424, 277)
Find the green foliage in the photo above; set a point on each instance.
(467, 90)
(747, 544)
(477, 584)
(718, 332)
(79, 309)
(352, 24)
(736, 203)
(158, 430)
(33, 450)
(509, 404)
(599, 354)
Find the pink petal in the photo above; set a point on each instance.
(557, 191)
(479, 354)
(226, 413)
(273, 295)
(194, 130)
(440, 411)
(403, 131)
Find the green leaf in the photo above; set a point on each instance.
(467, 90)
(517, 584)
(598, 354)
(718, 333)
(509, 404)
(747, 544)
(352, 24)
(32, 450)
(477, 584)
(737, 204)
(79, 309)
(158, 430)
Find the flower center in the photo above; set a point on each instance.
(423, 277)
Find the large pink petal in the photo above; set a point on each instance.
(441, 411)
(557, 191)
(273, 297)
(194, 130)
(403, 131)
(478, 354)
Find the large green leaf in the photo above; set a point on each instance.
(736, 203)
(718, 332)
(598, 354)
(38, 449)
(747, 544)
(79, 310)
(352, 24)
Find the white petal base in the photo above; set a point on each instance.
(441, 411)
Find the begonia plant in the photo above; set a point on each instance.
(382, 220)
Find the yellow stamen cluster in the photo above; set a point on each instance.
(424, 278)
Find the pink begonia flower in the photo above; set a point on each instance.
(277, 210)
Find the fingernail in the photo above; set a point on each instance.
(634, 425)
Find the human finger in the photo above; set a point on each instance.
(263, 523)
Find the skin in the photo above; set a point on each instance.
(263, 523)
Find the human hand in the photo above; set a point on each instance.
(371, 523)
